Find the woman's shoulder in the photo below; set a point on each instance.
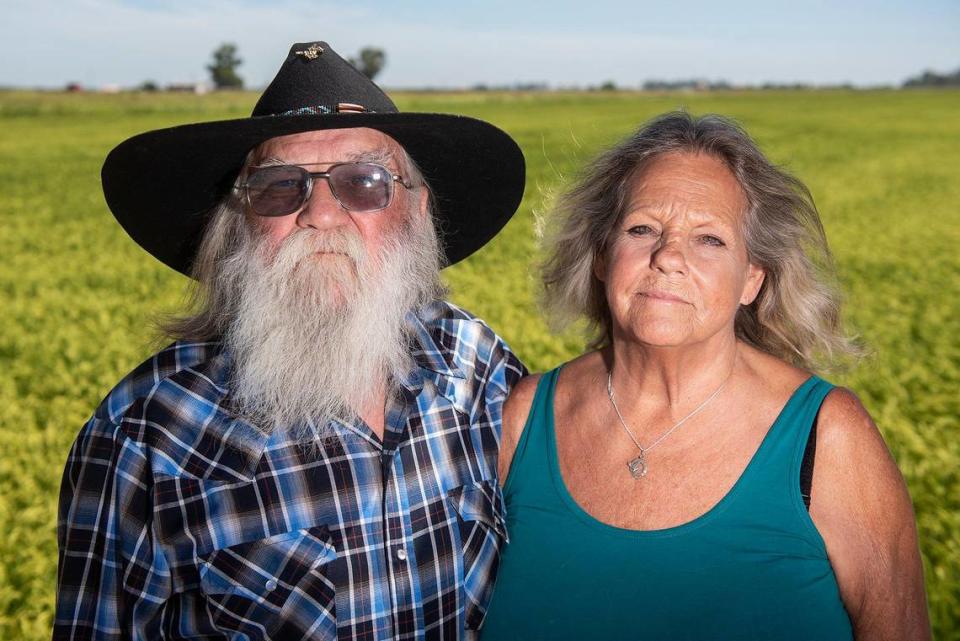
(846, 434)
(571, 377)
(841, 410)
(516, 410)
(770, 380)
(518, 404)
(848, 438)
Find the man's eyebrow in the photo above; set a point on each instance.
(382, 156)
(372, 155)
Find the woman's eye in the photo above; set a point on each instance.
(640, 230)
(712, 240)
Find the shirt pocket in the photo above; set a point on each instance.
(482, 528)
(273, 587)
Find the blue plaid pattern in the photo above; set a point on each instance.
(179, 520)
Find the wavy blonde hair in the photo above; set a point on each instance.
(796, 315)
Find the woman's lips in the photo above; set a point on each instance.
(665, 297)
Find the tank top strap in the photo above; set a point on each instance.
(806, 416)
(775, 469)
(530, 468)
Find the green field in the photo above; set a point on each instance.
(79, 296)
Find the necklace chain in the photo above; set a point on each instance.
(638, 465)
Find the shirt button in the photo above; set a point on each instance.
(402, 554)
(271, 585)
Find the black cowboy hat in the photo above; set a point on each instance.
(161, 185)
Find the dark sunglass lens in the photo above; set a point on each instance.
(277, 191)
(362, 186)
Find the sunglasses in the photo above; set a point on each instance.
(280, 190)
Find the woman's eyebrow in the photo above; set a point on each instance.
(701, 217)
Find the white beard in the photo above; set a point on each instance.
(319, 338)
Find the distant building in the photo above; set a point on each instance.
(189, 87)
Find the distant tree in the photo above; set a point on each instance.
(370, 62)
(609, 85)
(934, 79)
(148, 85)
(223, 70)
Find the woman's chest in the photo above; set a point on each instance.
(662, 486)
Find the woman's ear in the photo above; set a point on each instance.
(751, 288)
(600, 265)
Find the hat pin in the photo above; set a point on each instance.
(310, 53)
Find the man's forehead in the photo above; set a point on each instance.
(343, 143)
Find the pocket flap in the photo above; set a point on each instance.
(480, 501)
(266, 570)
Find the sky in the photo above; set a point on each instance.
(448, 44)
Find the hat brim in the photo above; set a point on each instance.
(162, 185)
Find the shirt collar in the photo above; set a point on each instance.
(427, 348)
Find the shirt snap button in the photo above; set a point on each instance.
(402, 555)
(271, 585)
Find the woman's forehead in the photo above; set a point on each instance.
(694, 182)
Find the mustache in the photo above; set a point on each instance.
(306, 242)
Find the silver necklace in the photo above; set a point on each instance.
(638, 464)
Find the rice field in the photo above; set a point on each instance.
(79, 296)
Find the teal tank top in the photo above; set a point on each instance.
(752, 567)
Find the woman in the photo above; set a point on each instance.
(659, 486)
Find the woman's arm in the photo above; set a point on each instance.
(861, 507)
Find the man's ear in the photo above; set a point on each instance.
(751, 288)
(424, 201)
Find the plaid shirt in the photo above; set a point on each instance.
(178, 520)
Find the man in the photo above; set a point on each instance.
(315, 456)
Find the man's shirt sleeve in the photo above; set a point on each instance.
(112, 580)
(505, 370)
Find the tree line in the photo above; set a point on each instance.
(370, 61)
(223, 69)
(934, 79)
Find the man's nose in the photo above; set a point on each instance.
(322, 210)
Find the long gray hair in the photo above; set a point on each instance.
(796, 315)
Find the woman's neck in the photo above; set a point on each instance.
(673, 376)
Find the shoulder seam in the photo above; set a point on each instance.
(148, 368)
